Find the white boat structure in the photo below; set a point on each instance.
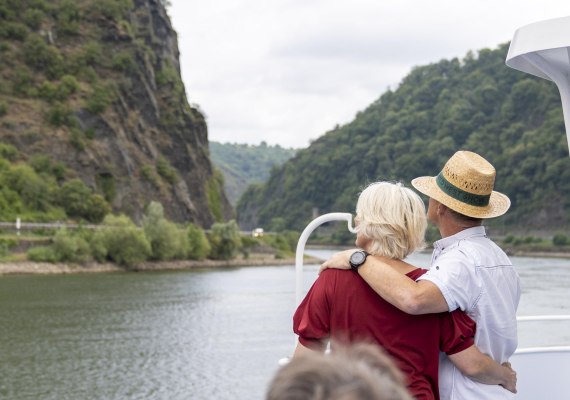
(543, 49)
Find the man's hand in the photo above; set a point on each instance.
(510, 378)
(338, 260)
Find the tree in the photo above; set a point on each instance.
(225, 240)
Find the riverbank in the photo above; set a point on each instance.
(27, 267)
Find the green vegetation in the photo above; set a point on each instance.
(560, 242)
(166, 171)
(167, 241)
(224, 240)
(120, 241)
(215, 187)
(199, 247)
(244, 164)
(32, 192)
(512, 119)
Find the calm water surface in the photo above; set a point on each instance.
(213, 334)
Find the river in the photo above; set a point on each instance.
(204, 334)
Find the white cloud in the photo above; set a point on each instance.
(286, 71)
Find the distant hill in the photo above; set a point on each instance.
(245, 164)
(475, 103)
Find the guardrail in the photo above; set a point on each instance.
(50, 225)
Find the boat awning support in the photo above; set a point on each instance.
(543, 49)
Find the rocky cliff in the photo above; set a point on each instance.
(96, 86)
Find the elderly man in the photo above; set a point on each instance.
(468, 271)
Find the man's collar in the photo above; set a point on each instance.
(464, 234)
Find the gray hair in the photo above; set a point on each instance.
(361, 371)
(393, 218)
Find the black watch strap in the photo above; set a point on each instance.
(357, 259)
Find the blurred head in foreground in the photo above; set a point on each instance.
(361, 371)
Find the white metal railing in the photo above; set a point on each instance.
(544, 318)
(314, 224)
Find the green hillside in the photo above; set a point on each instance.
(94, 116)
(245, 164)
(475, 103)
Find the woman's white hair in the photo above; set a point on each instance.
(392, 218)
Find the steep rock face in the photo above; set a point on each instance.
(133, 135)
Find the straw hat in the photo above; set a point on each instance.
(466, 185)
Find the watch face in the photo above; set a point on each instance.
(357, 257)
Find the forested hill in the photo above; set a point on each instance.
(245, 164)
(475, 103)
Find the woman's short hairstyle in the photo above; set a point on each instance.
(393, 219)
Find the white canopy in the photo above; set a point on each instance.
(543, 49)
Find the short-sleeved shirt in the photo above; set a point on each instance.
(340, 305)
(476, 276)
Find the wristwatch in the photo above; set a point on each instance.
(357, 259)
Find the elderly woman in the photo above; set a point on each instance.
(391, 222)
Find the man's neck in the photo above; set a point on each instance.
(450, 227)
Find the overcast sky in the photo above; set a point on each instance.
(287, 71)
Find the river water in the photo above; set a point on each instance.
(205, 334)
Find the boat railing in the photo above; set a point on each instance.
(542, 371)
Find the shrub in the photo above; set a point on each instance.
(79, 201)
(61, 91)
(112, 9)
(167, 241)
(529, 239)
(22, 82)
(41, 164)
(33, 18)
(166, 171)
(59, 115)
(9, 152)
(43, 58)
(71, 248)
(6, 244)
(67, 86)
(14, 30)
(68, 18)
(148, 174)
(120, 241)
(285, 242)
(509, 239)
(224, 240)
(34, 191)
(99, 100)
(123, 62)
(42, 254)
(3, 108)
(76, 139)
(199, 247)
(560, 239)
(91, 53)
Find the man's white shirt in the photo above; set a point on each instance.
(475, 275)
